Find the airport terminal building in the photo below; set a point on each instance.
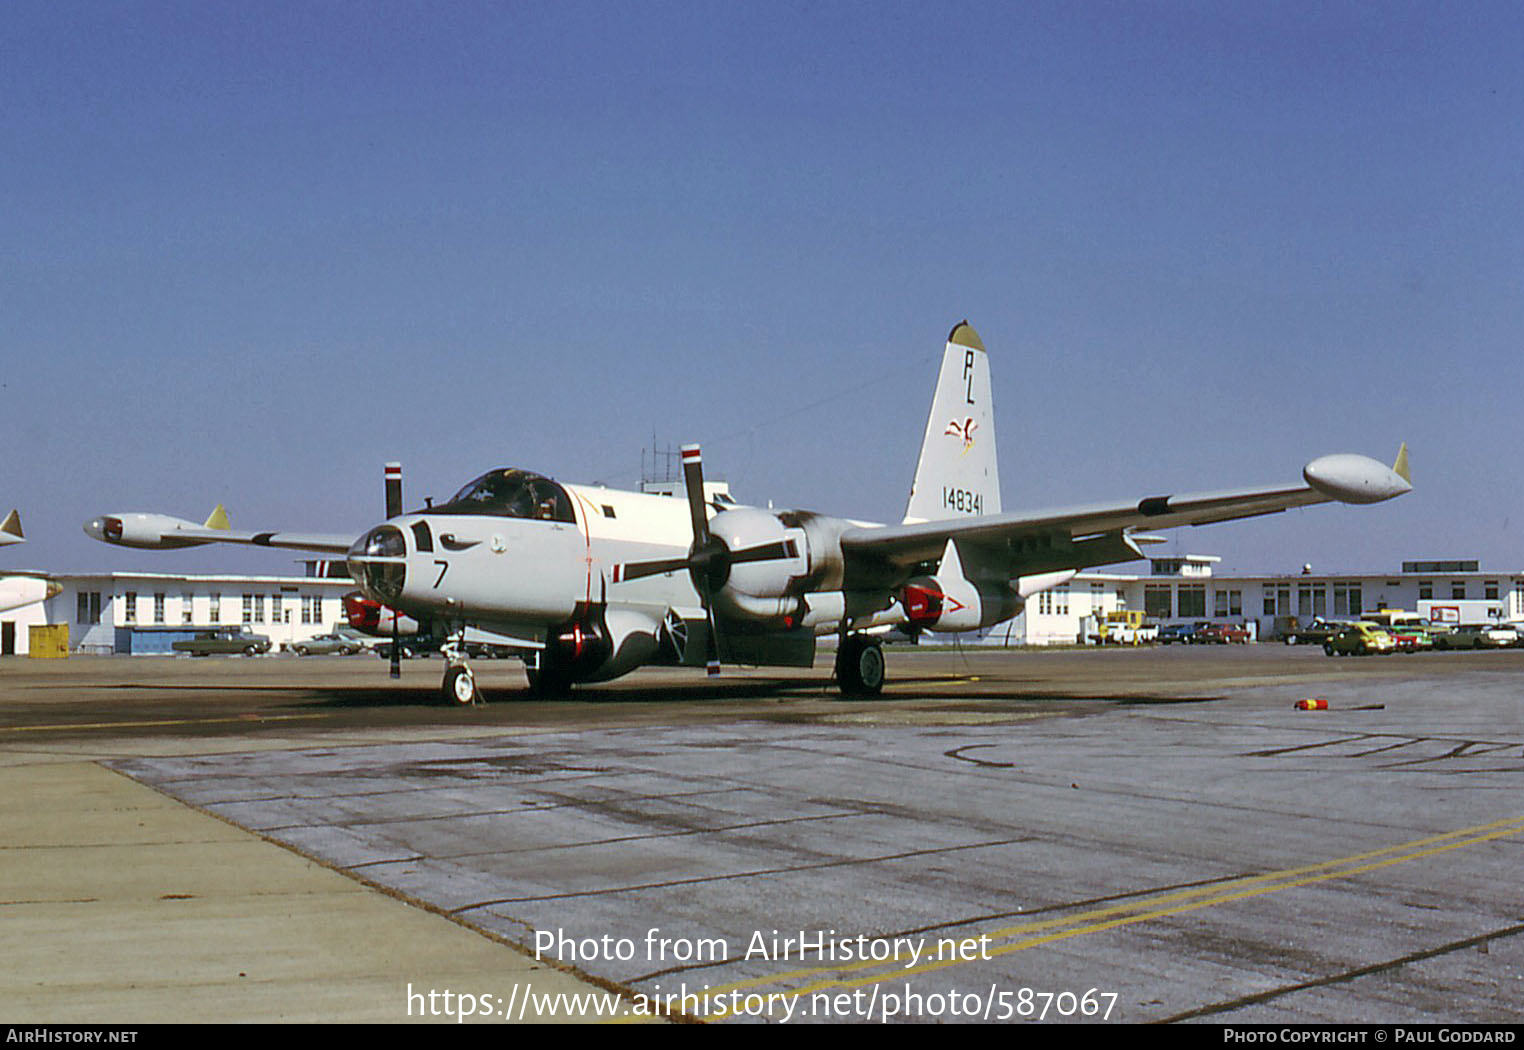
(1187, 588)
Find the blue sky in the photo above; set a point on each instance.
(250, 252)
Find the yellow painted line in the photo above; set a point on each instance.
(159, 724)
(1101, 919)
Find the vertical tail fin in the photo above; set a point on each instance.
(10, 529)
(957, 473)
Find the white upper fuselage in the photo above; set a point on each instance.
(525, 574)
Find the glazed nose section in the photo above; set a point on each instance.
(105, 528)
(378, 562)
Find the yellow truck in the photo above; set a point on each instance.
(1126, 627)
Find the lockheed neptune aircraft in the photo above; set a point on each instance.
(588, 583)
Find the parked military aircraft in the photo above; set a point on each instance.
(588, 583)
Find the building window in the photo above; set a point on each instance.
(1192, 600)
(1347, 599)
(1228, 603)
(158, 607)
(1061, 600)
(214, 608)
(187, 608)
(88, 609)
(1490, 590)
(1458, 589)
(130, 607)
(1311, 600)
(253, 608)
(312, 608)
(276, 608)
(1097, 598)
(1157, 603)
(1425, 590)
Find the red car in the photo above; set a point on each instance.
(1222, 633)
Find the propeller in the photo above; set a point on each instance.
(394, 508)
(709, 559)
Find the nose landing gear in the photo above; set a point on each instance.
(459, 686)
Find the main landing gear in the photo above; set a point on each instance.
(860, 666)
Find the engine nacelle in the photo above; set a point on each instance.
(952, 603)
(749, 529)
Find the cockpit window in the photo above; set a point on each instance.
(510, 493)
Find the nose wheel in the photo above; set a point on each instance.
(459, 685)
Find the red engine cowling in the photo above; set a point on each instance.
(937, 603)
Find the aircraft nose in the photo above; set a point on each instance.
(378, 562)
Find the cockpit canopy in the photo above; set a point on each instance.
(510, 493)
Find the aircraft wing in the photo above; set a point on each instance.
(1098, 534)
(318, 542)
(163, 532)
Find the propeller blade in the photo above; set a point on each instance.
(706, 555)
(636, 570)
(393, 490)
(693, 478)
(765, 552)
(712, 645)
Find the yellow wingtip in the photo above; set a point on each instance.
(1400, 468)
(218, 519)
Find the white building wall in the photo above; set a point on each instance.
(307, 606)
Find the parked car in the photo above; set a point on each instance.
(1222, 633)
(327, 644)
(1411, 638)
(1477, 636)
(225, 640)
(409, 647)
(1360, 639)
(1318, 632)
(1184, 633)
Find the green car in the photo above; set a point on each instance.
(327, 644)
(226, 640)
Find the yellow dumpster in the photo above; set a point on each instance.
(48, 641)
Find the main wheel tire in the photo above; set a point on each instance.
(460, 685)
(860, 668)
